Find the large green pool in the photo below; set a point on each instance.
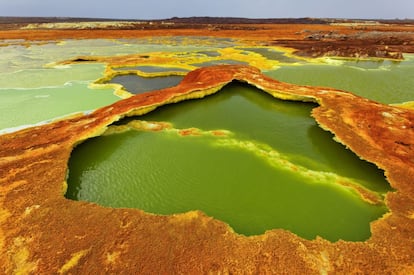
(274, 169)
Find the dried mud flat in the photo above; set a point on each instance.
(42, 232)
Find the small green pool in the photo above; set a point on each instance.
(384, 81)
(136, 84)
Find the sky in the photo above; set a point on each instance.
(162, 9)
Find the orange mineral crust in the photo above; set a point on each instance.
(42, 232)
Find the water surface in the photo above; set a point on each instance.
(383, 81)
(137, 84)
(244, 179)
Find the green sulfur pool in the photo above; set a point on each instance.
(384, 81)
(270, 167)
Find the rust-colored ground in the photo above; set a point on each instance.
(42, 232)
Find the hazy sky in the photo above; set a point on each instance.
(160, 9)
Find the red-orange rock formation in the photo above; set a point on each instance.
(42, 232)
